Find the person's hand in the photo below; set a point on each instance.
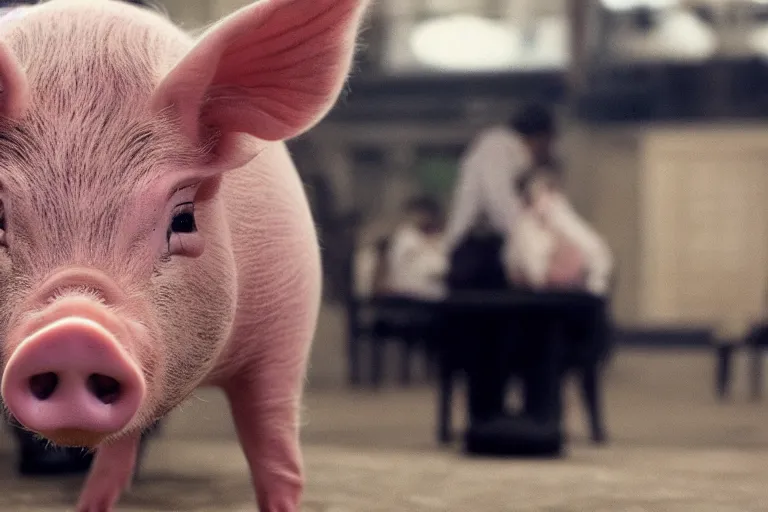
(566, 266)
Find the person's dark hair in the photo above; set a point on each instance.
(533, 119)
(424, 203)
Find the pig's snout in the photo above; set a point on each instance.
(73, 383)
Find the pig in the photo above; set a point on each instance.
(154, 234)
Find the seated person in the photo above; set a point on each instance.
(408, 264)
(551, 246)
(416, 261)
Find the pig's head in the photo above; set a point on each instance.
(117, 279)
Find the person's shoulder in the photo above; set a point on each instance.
(495, 133)
(496, 139)
(405, 235)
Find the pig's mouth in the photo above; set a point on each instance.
(73, 437)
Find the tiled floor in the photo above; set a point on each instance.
(674, 449)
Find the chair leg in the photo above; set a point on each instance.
(354, 378)
(757, 373)
(377, 360)
(445, 403)
(429, 365)
(353, 350)
(153, 431)
(406, 355)
(591, 394)
(724, 353)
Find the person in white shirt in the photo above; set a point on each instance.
(553, 246)
(370, 269)
(484, 207)
(417, 261)
(485, 188)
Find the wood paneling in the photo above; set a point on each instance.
(704, 226)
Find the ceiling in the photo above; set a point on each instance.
(525, 35)
(494, 8)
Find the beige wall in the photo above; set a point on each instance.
(686, 211)
(189, 14)
(195, 13)
(604, 170)
(705, 220)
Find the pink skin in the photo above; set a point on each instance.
(117, 129)
(73, 349)
(566, 266)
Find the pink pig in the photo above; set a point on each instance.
(155, 236)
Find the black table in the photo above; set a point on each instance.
(584, 355)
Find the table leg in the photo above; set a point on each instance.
(757, 372)
(724, 353)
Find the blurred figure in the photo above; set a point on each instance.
(410, 262)
(484, 209)
(416, 263)
(485, 190)
(553, 246)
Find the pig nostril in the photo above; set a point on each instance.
(43, 385)
(104, 388)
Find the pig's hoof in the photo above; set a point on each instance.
(102, 492)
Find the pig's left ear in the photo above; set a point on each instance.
(272, 69)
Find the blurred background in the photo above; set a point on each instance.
(661, 102)
(662, 113)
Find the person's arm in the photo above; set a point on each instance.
(466, 202)
(528, 252)
(597, 255)
(503, 161)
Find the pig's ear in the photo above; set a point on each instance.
(14, 91)
(272, 69)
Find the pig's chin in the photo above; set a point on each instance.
(89, 440)
(75, 438)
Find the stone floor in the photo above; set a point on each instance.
(673, 448)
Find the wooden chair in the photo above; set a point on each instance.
(379, 320)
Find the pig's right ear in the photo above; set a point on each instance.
(271, 69)
(14, 91)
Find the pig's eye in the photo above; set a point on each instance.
(183, 237)
(184, 220)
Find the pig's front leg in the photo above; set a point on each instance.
(266, 418)
(111, 473)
